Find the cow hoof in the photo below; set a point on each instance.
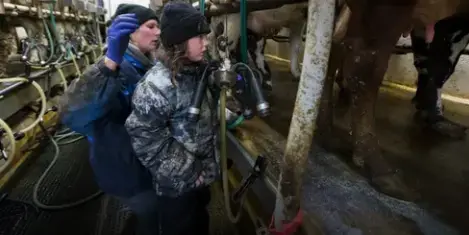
(392, 185)
(441, 125)
(450, 129)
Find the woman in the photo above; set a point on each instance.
(98, 103)
(179, 154)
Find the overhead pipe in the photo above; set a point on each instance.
(222, 9)
(315, 61)
(340, 27)
(2, 7)
(25, 9)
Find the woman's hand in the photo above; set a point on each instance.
(118, 36)
(110, 64)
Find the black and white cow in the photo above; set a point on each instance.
(435, 63)
(261, 25)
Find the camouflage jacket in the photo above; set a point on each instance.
(175, 150)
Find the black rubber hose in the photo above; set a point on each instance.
(194, 109)
(261, 103)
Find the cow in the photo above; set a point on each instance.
(362, 58)
(260, 25)
(264, 24)
(435, 63)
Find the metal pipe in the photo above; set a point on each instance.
(2, 7)
(38, 9)
(26, 9)
(5, 91)
(315, 62)
(218, 10)
(244, 38)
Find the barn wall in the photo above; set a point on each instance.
(400, 71)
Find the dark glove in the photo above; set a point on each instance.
(118, 36)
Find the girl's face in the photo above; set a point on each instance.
(146, 36)
(196, 47)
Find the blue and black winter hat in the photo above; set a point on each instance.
(180, 22)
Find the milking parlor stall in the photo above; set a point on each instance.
(338, 117)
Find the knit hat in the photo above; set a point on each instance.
(180, 22)
(143, 14)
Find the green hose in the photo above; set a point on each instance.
(54, 28)
(52, 17)
(202, 6)
(223, 161)
(236, 123)
(51, 41)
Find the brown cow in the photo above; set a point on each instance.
(372, 32)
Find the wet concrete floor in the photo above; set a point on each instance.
(435, 166)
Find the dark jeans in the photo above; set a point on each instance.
(186, 214)
(145, 207)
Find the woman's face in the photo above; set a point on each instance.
(196, 47)
(146, 36)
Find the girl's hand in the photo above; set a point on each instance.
(201, 179)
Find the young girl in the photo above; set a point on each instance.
(179, 154)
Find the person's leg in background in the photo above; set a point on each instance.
(145, 208)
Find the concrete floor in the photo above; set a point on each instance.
(436, 167)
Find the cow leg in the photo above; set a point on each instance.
(261, 64)
(296, 35)
(326, 116)
(256, 45)
(372, 33)
(420, 52)
(339, 33)
(344, 96)
(435, 68)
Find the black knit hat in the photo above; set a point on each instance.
(180, 22)
(142, 13)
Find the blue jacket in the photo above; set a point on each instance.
(97, 105)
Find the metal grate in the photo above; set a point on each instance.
(71, 179)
